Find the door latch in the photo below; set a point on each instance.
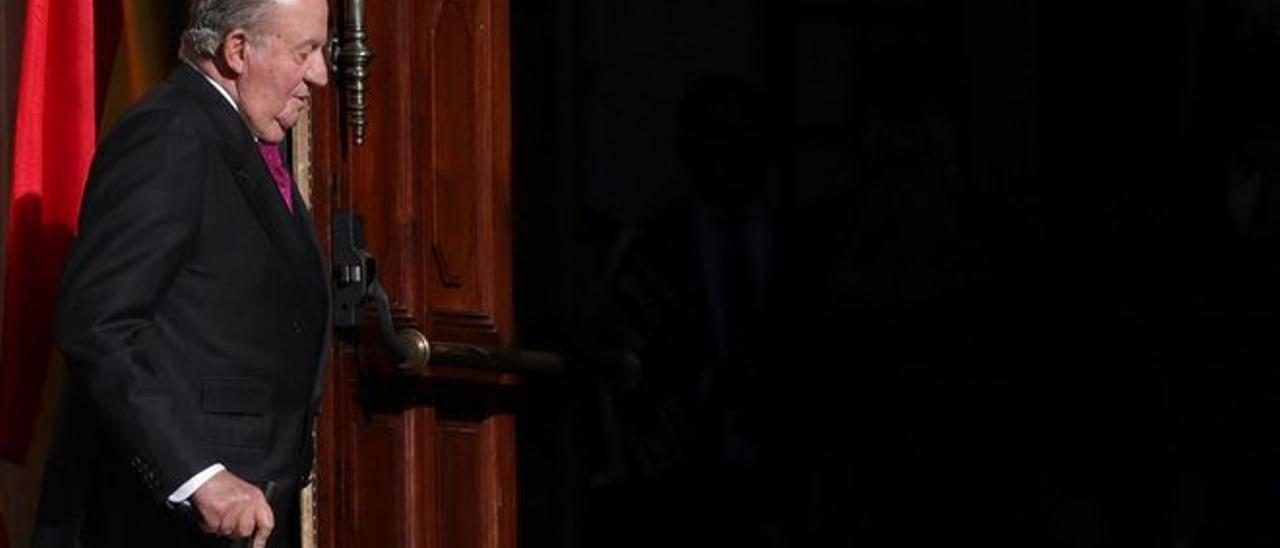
(355, 282)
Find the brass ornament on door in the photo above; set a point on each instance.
(350, 56)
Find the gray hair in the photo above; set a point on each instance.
(212, 20)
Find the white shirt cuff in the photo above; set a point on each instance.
(189, 488)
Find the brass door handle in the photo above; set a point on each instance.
(355, 279)
(416, 350)
(409, 347)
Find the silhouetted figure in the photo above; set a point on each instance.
(693, 292)
(1234, 378)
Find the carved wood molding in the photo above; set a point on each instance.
(448, 277)
(474, 320)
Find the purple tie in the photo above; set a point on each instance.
(271, 154)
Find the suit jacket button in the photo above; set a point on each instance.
(297, 327)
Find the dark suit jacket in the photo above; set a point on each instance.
(194, 319)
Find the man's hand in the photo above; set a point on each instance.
(233, 508)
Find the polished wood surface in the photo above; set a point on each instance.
(424, 460)
(433, 177)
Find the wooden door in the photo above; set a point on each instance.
(419, 148)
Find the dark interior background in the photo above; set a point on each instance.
(1024, 273)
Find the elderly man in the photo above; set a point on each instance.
(194, 312)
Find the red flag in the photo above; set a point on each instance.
(54, 137)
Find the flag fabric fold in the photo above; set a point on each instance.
(55, 132)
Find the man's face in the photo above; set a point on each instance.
(281, 63)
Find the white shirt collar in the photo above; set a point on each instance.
(216, 86)
(220, 89)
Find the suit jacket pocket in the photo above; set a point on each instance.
(235, 412)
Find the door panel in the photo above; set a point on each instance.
(378, 477)
(423, 459)
(433, 177)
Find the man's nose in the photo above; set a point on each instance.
(317, 70)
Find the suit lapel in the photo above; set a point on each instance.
(259, 189)
(317, 264)
(255, 182)
(303, 223)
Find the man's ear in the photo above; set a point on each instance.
(233, 50)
